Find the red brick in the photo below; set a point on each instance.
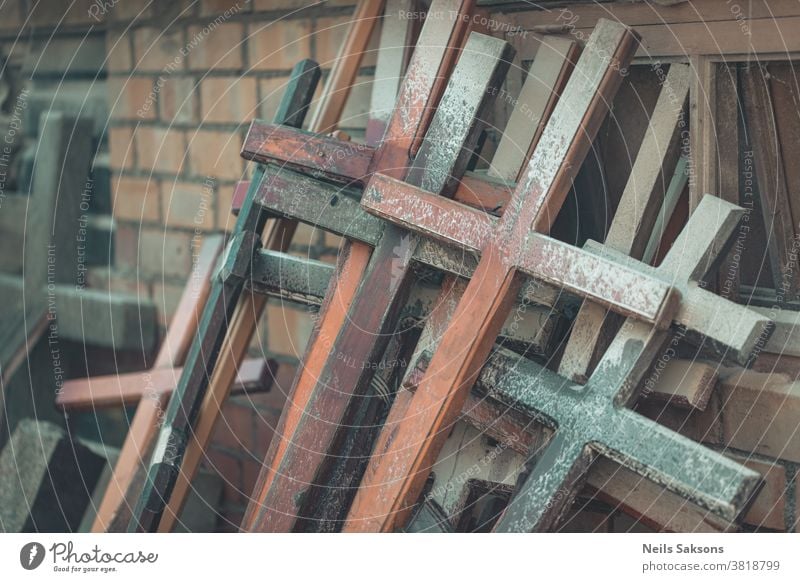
(166, 297)
(215, 47)
(121, 147)
(769, 506)
(329, 36)
(228, 99)
(159, 149)
(216, 154)
(760, 413)
(164, 253)
(131, 98)
(177, 100)
(188, 205)
(158, 51)
(225, 218)
(118, 52)
(278, 45)
(136, 199)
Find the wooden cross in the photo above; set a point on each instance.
(495, 405)
(445, 153)
(277, 237)
(595, 414)
(224, 296)
(513, 245)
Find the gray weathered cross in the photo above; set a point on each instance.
(592, 419)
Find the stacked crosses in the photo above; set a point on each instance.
(457, 271)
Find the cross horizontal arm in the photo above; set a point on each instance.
(308, 152)
(127, 389)
(677, 463)
(610, 283)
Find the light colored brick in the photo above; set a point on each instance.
(329, 36)
(159, 149)
(225, 218)
(136, 199)
(121, 147)
(769, 505)
(287, 330)
(216, 154)
(131, 98)
(188, 205)
(177, 100)
(166, 297)
(105, 279)
(215, 47)
(356, 110)
(158, 51)
(118, 52)
(228, 99)
(270, 94)
(760, 413)
(164, 253)
(126, 247)
(278, 45)
(125, 11)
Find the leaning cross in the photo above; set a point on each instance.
(444, 153)
(394, 481)
(593, 419)
(226, 290)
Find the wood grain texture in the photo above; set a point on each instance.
(779, 223)
(394, 480)
(372, 317)
(633, 221)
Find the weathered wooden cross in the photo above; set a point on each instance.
(445, 152)
(224, 296)
(512, 245)
(594, 417)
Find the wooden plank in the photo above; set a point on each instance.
(126, 389)
(704, 27)
(702, 111)
(345, 68)
(422, 86)
(762, 137)
(543, 86)
(594, 326)
(437, 166)
(227, 289)
(394, 51)
(124, 486)
(728, 110)
(277, 237)
(383, 502)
